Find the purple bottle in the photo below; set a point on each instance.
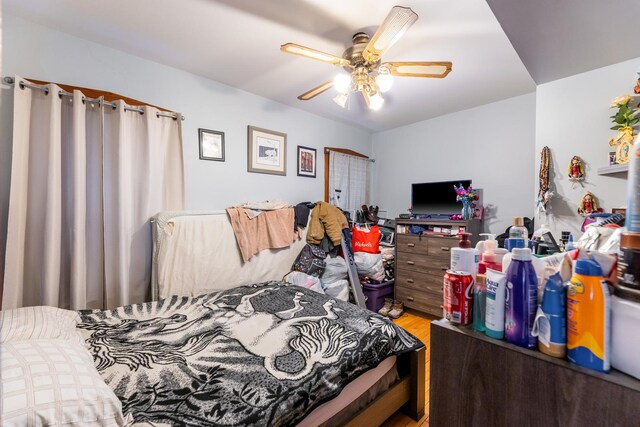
(521, 299)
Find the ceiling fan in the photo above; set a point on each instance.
(367, 73)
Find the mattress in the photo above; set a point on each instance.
(355, 396)
(196, 253)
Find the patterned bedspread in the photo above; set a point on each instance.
(262, 355)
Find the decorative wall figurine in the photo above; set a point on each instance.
(588, 205)
(544, 191)
(625, 119)
(576, 169)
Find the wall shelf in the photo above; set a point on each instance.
(610, 170)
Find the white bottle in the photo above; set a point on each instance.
(464, 258)
(633, 189)
(496, 293)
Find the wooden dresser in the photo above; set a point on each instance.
(479, 381)
(421, 262)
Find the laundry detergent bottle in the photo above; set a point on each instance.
(521, 301)
(588, 314)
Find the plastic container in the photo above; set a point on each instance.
(518, 230)
(521, 300)
(629, 260)
(551, 321)
(633, 189)
(376, 293)
(488, 259)
(479, 302)
(494, 314)
(464, 258)
(625, 333)
(588, 317)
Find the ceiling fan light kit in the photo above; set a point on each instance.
(367, 74)
(342, 82)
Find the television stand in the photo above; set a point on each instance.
(421, 261)
(437, 217)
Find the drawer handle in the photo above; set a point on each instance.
(444, 268)
(411, 245)
(409, 298)
(409, 280)
(410, 262)
(445, 249)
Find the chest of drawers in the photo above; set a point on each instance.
(421, 262)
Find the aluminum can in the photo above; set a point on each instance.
(458, 297)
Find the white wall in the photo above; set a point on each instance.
(493, 145)
(38, 52)
(572, 118)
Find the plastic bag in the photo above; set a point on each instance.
(365, 239)
(336, 269)
(304, 280)
(369, 265)
(338, 289)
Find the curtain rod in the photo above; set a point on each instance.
(327, 151)
(61, 93)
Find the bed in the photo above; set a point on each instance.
(225, 352)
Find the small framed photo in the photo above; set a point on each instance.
(211, 145)
(267, 151)
(306, 161)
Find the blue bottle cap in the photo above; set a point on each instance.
(553, 297)
(588, 267)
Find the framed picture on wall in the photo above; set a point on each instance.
(211, 145)
(306, 161)
(267, 151)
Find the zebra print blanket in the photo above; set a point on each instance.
(262, 355)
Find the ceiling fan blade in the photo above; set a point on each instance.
(394, 26)
(316, 91)
(418, 69)
(296, 49)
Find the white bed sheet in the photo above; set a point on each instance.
(197, 252)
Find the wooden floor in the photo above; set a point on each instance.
(419, 325)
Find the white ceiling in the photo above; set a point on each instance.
(237, 42)
(560, 38)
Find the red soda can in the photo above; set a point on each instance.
(458, 297)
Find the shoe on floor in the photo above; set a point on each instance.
(396, 309)
(388, 303)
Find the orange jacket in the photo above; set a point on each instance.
(326, 218)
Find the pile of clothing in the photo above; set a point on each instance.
(318, 267)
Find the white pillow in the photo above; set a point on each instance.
(39, 323)
(54, 382)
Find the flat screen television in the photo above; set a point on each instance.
(436, 197)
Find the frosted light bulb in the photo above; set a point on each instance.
(375, 101)
(341, 99)
(384, 80)
(342, 82)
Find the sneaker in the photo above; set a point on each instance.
(396, 309)
(388, 303)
